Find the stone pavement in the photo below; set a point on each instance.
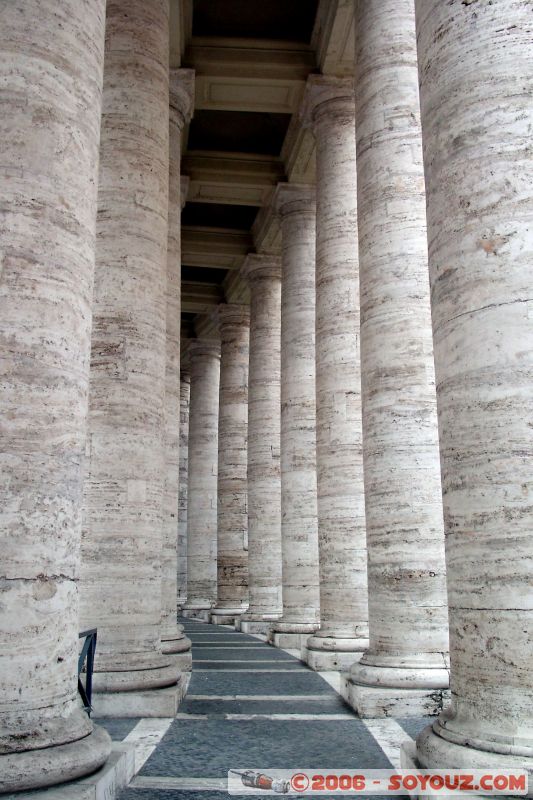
(250, 705)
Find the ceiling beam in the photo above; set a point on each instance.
(248, 75)
(205, 247)
(198, 298)
(231, 178)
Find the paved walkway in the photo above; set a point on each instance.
(250, 705)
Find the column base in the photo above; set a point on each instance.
(443, 744)
(291, 635)
(386, 701)
(256, 623)
(412, 759)
(226, 615)
(162, 702)
(337, 653)
(175, 642)
(197, 609)
(105, 784)
(179, 648)
(38, 769)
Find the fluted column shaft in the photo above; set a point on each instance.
(50, 95)
(185, 398)
(263, 273)
(181, 100)
(406, 571)
(122, 537)
(203, 469)
(329, 108)
(475, 67)
(232, 524)
(299, 528)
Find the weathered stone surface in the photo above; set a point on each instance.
(203, 470)
(299, 528)
(329, 108)
(122, 536)
(476, 96)
(406, 571)
(185, 398)
(51, 60)
(264, 488)
(232, 518)
(181, 100)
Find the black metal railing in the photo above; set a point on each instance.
(86, 665)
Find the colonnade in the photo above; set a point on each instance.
(358, 478)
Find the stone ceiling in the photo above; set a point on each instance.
(251, 59)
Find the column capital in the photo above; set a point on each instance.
(204, 348)
(232, 315)
(184, 189)
(327, 95)
(181, 90)
(294, 198)
(261, 265)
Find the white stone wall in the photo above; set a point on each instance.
(203, 470)
(185, 396)
(406, 570)
(232, 521)
(264, 489)
(329, 109)
(51, 60)
(122, 537)
(475, 65)
(181, 98)
(299, 529)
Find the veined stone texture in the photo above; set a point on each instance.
(232, 535)
(475, 64)
(203, 471)
(51, 60)
(122, 537)
(263, 273)
(329, 108)
(181, 99)
(406, 571)
(299, 527)
(185, 397)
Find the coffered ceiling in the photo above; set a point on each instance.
(251, 60)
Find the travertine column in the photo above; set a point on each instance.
(263, 273)
(203, 470)
(299, 528)
(329, 108)
(173, 639)
(51, 59)
(185, 397)
(122, 536)
(407, 657)
(232, 533)
(475, 64)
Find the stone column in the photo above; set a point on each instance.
(173, 640)
(232, 526)
(263, 273)
(203, 471)
(329, 109)
(185, 396)
(404, 671)
(479, 173)
(122, 536)
(50, 97)
(299, 527)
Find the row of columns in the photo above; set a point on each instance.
(356, 514)
(90, 273)
(90, 468)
